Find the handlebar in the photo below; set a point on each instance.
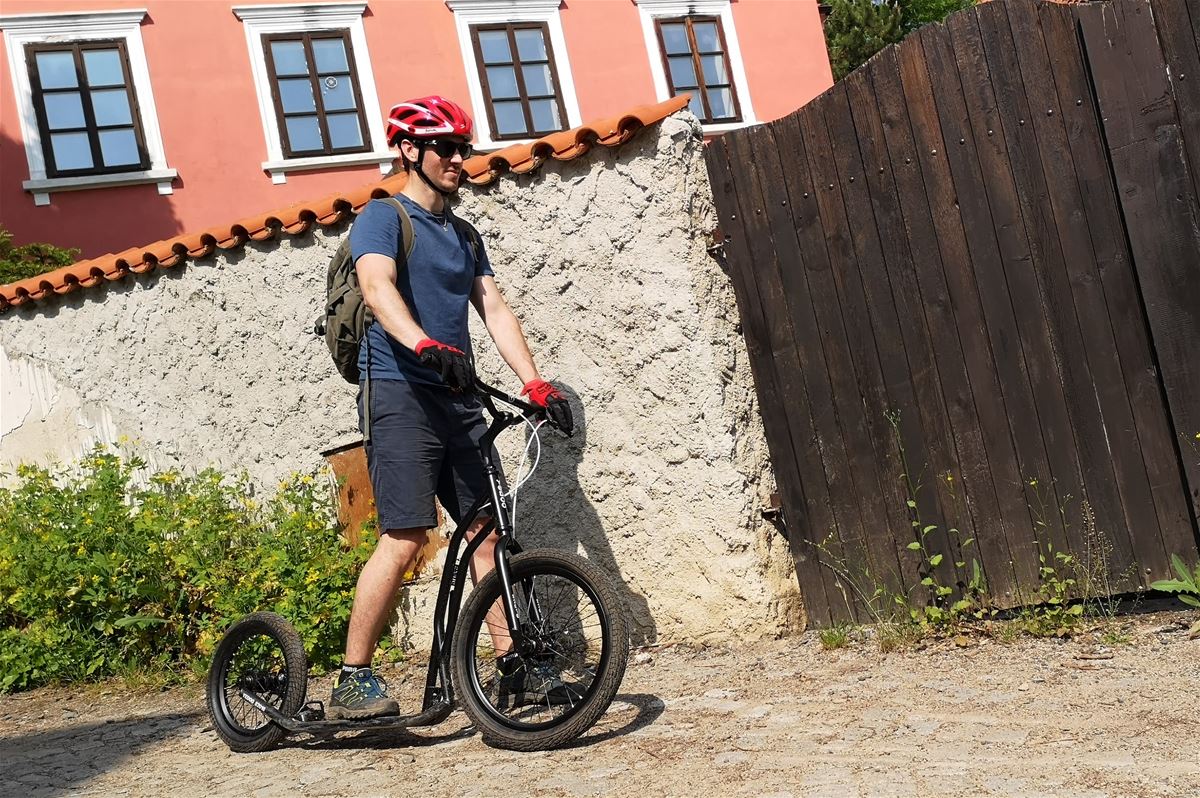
(488, 392)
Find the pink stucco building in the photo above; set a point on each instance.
(122, 119)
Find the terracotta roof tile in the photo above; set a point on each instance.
(299, 218)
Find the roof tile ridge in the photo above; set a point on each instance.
(298, 218)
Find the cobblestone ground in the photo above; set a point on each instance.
(1073, 719)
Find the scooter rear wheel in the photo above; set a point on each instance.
(261, 653)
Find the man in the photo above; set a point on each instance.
(416, 358)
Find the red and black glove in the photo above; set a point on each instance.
(545, 395)
(455, 368)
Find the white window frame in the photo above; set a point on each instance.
(651, 10)
(21, 30)
(259, 20)
(468, 13)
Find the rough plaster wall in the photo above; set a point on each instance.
(604, 260)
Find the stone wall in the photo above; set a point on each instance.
(604, 260)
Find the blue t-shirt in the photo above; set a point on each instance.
(436, 285)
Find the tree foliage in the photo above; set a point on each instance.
(29, 260)
(857, 29)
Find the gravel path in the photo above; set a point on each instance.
(1048, 718)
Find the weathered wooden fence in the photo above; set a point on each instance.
(969, 277)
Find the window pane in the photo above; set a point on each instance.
(103, 68)
(502, 82)
(714, 69)
(71, 151)
(304, 133)
(289, 58)
(56, 70)
(683, 72)
(530, 45)
(494, 46)
(296, 96)
(537, 80)
(111, 107)
(330, 55)
(675, 39)
(510, 119)
(695, 106)
(337, 93)
(64, 110)
(707, 39)
(344, 130)
(545, 115)
(721, 103)
(119, 147)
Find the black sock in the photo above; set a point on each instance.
(347, 670)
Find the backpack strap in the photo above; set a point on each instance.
(409, 237)
(468, 232)
(407, 234)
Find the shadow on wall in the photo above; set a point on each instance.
(97, 221)
(566, 519)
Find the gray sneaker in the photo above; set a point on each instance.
(362, 694)
(540, 683)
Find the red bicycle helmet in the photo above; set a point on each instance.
(427, 118)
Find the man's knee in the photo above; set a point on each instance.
(476, 525)
(399, 542)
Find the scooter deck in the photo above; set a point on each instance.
(430, 717)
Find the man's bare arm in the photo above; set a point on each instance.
(504, 328)
(377, 279)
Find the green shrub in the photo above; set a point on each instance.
(30, 260)
(99, 575)
(857, 29)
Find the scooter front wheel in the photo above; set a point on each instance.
(565, 672)
(261, 654)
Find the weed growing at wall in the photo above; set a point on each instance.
(1077, 590)
(105, 569)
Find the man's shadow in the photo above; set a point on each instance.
(560, 515)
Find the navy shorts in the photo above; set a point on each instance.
(424, 443)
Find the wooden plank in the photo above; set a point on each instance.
(843, 335)
(879, 357)
(1160, 206)
(1113, 471)
(1179, 32)
(968, 488)
(790, 368)
(1030, 378)
(988, 293)
(1063, 255)
(791, 213)
(1113, 263)
(851, 353)
(1008, 557)
(924, 424)
(771, 403)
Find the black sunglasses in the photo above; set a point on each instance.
(445, 148)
